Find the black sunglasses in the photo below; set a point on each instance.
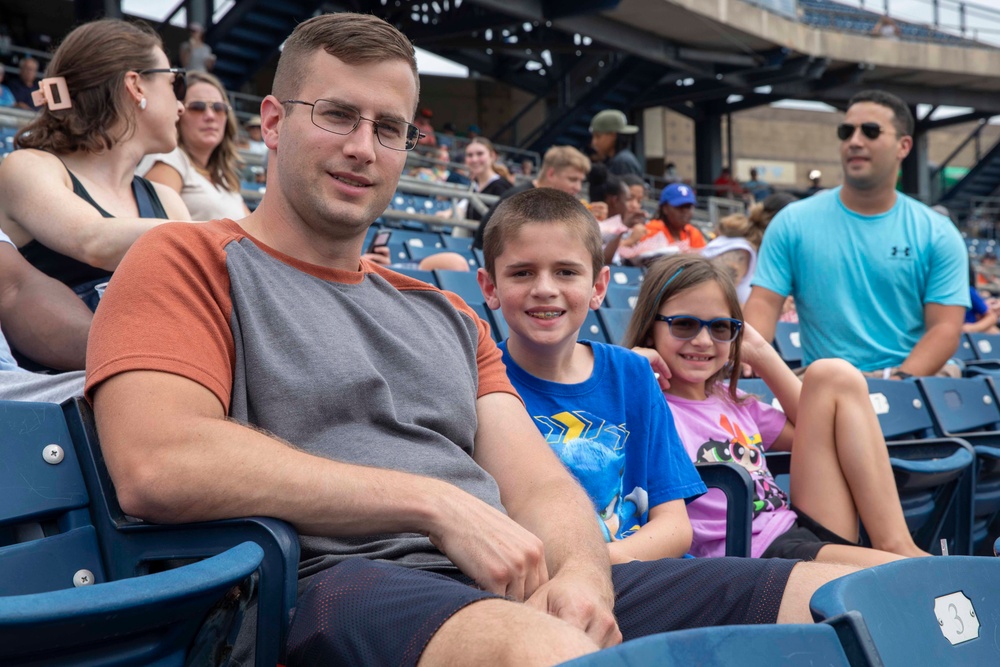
(846, 130)
(180, 79)
(200, 106)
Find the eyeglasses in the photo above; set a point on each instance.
(201, 106)
(846, 130)
(686, 327)
(180, 79)
(395, 135)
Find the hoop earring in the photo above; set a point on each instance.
(142, 104)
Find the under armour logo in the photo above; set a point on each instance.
(896, 251)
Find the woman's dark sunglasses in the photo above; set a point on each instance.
(687, 327)
(846, 130)
(180, 79)
(200, 106)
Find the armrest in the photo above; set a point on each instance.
(735, 482)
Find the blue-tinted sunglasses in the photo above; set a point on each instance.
(686, 327)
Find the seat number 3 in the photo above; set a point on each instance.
(956, 617)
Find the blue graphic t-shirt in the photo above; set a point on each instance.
(616, 435)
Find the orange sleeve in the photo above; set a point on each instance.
(492, 372)
(168, 309)
(697, 238)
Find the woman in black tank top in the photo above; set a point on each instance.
(69, 199)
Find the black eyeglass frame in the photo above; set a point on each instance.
(180, 79)
(735, 325)
(221, 108)
(413, 133)
(870, 129)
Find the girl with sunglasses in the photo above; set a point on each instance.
(109, 97)
(204, 168)
(688, 323)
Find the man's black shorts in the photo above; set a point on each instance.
(364, 612)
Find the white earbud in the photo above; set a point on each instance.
(142, 104)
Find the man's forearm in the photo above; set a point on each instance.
(932, 351)
(561, 514)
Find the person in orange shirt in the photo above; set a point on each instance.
(674, 221)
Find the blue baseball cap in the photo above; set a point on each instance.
(677, 194)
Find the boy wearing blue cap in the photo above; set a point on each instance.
(674, 220)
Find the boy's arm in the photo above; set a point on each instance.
(667, 534)
(541, 495)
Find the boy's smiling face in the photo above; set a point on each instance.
(544, 284)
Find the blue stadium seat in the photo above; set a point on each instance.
(935, 476)
(622, 296)
(615, 321)
(416, 239)
(61, 530)
(457, 242)
(487, 316)
(967, 408)
(626, 275)
(592, 329)
(418, 253)
(501, 323)
(425, 276)
(788, 344)
(462, 283)
(744, 645)
(923, 611)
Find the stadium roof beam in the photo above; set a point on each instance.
(927, 125)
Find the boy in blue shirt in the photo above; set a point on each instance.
(599, 406)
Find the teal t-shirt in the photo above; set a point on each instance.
(861, 282)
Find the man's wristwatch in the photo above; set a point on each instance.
(900, 375)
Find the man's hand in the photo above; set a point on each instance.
(379, 255)
(487, 545)
(660, 368)
(577, 600)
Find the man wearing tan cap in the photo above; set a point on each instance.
(609, 132)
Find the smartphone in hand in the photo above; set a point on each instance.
(380, 239)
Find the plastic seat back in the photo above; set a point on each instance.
(923, 611)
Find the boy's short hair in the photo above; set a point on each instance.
(558, 158)
(541, 205)
(356, 39)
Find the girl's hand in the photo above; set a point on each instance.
(754, 348)
(660, 369)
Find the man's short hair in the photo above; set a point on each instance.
(541, 205)
(563, 157)
(356, 39)
(902, 118)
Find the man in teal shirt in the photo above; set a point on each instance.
(879, 279)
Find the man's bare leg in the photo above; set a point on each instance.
(500, 632)
(802, 583)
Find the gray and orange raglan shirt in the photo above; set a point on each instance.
(368, 367)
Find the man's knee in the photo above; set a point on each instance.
(501, 632)
(804, 580)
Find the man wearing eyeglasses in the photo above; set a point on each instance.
(261, 367)
(879, 279)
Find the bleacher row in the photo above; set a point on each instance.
(831, 15)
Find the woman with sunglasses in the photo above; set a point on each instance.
(204, 168)
(69, 199)
(688, 323)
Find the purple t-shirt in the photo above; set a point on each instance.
(718, 430)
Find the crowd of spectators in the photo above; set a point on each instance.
(197, 318)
